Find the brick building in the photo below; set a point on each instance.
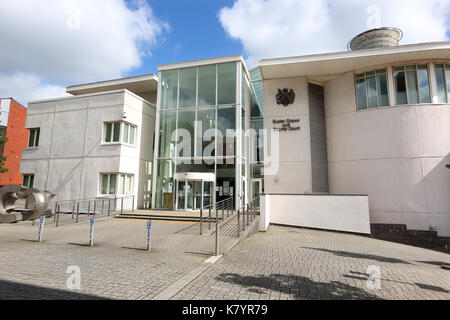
(12, 126)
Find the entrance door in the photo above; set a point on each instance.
(257, 189)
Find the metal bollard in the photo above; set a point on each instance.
(238, 224)
(41, 228)
(149, 235)
(91, 231)
(209, 219)
(201, 221)
(109, 207)
(89, 207)
(78, 211)
(73, 209)
(217, 236)
(121, 206)
(57, 217)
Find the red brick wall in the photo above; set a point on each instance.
(17, 141)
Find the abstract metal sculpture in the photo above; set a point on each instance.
(285, 97)
(34, 203)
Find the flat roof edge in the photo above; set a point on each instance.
(92, 95)
(105, 83)
(356, 54)
(187, 64)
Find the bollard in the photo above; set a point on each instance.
(73, 209)
(41, 228)
(121, 207)
(201, 221)
(91, 231)
(217, 236)
(109, 207)
(238, 222)
(209, 219)
(149, 235)
(57, 217)
(56, 208)
(89, 207)
(78, 211)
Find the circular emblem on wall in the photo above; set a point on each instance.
(285, 97)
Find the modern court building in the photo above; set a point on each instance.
(347, 133)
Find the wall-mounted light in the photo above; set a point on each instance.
(276, 179)
(124, 116)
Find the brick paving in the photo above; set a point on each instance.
(284, 263)
(116, 267)
(295, 264)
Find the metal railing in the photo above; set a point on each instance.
(248, 213)
(224, 212)
(90, 207)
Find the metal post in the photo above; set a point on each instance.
(132, 206)
(209, 219)
(248, 215)
(89, 208)
(243, 219)
(103, 205)
(95, 207)
(91, 231)
(56, 208)
(217, 236)
(109, 207)
(73, 209)
(201, 221)
(41, 228)
(57, 217)
(238, 224)
(78, 211)
(121, 206)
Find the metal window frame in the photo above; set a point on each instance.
(365, 77)
(417, 82)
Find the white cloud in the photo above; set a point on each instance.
(276, 28)
(25, 87)
(72, 41)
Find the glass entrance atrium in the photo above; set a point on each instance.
(200, 114)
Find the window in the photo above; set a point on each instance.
(443, 82)
(371, 89)
(33, 140)
(28, 180)
(113, 132)
(412, 84)
(125, 184)
(129, 133)
(112, 184)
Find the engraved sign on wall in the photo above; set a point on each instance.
(286, 125)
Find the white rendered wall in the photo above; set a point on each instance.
(71, 155)
(328, 212)
(294, 175)
(396, 155)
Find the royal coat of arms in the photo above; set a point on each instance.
(285, 97)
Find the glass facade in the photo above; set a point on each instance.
(201, 111)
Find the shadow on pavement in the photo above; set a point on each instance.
(360, 256)
(19, 291)
(297, 287)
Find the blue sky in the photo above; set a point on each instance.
(64, 42)
(195, 33)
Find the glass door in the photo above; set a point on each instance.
(207, 193)
(181, 195)
(189, 195)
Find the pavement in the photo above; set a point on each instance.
(284, 263)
